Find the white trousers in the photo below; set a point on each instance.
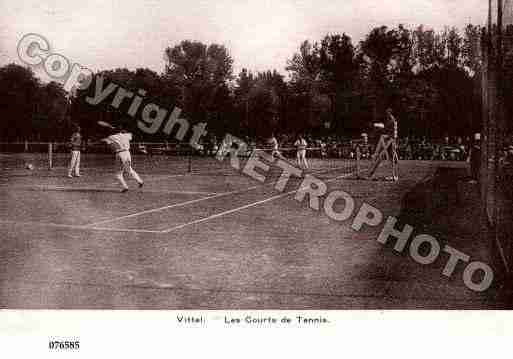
(74, 167)
(301, 159)
(126, 166)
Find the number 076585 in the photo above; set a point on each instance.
(63, 345)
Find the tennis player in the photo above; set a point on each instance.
(391, 129)
(275, 152)
(120, 144)
(273, 144)
(301, 145)
(387, 145)
(76, 144)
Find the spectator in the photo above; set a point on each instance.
(475, 158)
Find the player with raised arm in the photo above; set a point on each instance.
(387, 145)
(119, 141)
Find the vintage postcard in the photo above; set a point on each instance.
(296, 165)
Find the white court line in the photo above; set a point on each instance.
(129, 230)
(90, 227)
(247, 206)
(161, 177)
(181, 204)
(199, 200)
(185, 192)
(80, 227)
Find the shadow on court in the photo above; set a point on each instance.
(446, 206)
(92, 248)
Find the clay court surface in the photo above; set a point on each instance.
(210, 239)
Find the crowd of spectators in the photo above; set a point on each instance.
(450, 149)
(409, 148)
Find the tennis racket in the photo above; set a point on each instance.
(106, 125)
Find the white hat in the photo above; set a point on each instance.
(477, 137)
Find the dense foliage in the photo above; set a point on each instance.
(431, 79)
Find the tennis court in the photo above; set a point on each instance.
(210, 238)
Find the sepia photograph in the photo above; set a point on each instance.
(244, 155)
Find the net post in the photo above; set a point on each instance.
(50, 155)
(26, 146)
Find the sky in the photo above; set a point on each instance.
(260, 34)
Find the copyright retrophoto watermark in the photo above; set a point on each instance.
(175, 176)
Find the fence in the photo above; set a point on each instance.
(497, 216)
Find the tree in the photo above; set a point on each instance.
(339, 69)
(305, 69)
(52, 120)
(18, 102)
(454, 47)
(424, 48)
(472, 59)
(261, 102)
(199, 71)
(244, 83)
(155, 89)
(387, 54)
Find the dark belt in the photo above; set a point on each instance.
(121, 151)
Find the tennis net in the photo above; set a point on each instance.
(320, 160)
(177, 158)
(163, 157)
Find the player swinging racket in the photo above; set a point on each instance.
(301, 145)
(387, 145)
(120, 143)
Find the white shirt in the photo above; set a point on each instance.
(274, 143)
(391, 126)
(301, 144)
(119, 142)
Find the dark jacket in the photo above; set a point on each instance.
(76, 142)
